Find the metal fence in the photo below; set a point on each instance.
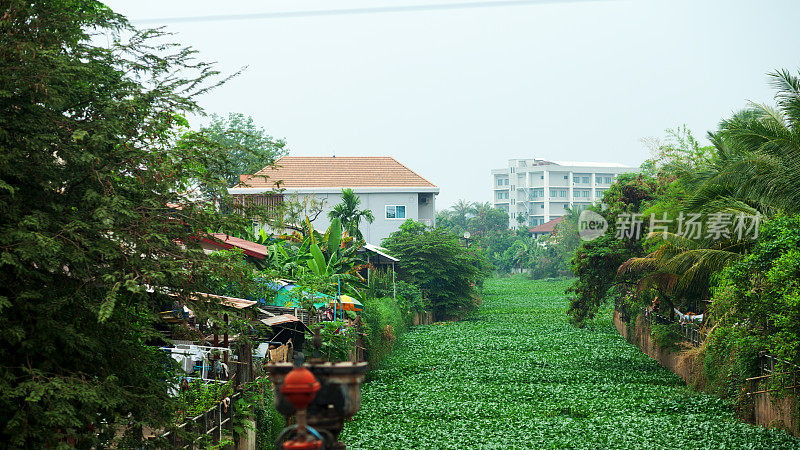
(786, 373)
(692, 333)
(209, 428)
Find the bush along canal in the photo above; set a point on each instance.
(516, 374)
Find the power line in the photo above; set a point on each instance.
(354, 11)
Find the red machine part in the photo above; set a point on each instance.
(299, 387)
(307, 445)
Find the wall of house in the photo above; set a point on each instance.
(382, 227)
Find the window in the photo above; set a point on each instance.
(566, 205)
(512, 171)
(562, 193)
(395, 212)
(512, 201)
(566, 177)
(541, 177)
(553, 192)
(583, 179)
(505, 181)
(608, 180)
(499, 181)
(542, 206)
(512, 186)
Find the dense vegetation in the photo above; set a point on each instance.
(512, 250)
(515, 374)
(103, 188)
(724, 226)
(435, 261)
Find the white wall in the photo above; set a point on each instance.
(382, 227)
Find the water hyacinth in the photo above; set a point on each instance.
(515, 374)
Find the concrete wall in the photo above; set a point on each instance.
(766, 411)
(382, 227)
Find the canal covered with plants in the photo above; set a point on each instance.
(516, 374)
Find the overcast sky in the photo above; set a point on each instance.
(453, 93)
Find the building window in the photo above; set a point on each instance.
(505, 181)
(566, 177)
(541, 177)
(512, 171)
(395, 212)
(585, 179)
(512, 201)
(562, 193)
(608, 180)
(499, 181)
(553, 192)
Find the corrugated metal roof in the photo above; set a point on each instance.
(250, 248)
(282, 320)
(380, 251)
(238, 303)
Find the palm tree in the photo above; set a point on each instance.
(348, 213)
(755, 168)
(462, 211)
(757, 162)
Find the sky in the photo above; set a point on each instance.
(455, 91)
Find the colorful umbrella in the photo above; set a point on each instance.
(348, 303)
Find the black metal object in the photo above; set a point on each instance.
(338, 398)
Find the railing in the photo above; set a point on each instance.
(691, 332)
(213, 426)
(788, 375)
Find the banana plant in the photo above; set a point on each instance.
(335, 261)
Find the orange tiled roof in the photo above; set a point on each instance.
(547, 227)
(335, 172)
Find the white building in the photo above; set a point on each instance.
(542, 190)
(392, 191)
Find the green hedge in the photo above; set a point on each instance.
(383, 324)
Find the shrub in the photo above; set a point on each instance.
(435, 261)
(383, 324)
(666, 335)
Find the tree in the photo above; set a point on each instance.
(461, 213)
(434, 260)
(348, 213)
(596, 262)
(251, 148)
(98, 210)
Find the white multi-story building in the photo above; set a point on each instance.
(541, 191)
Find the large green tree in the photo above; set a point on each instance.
(249, 146)
(99, 206)
(438, 263)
